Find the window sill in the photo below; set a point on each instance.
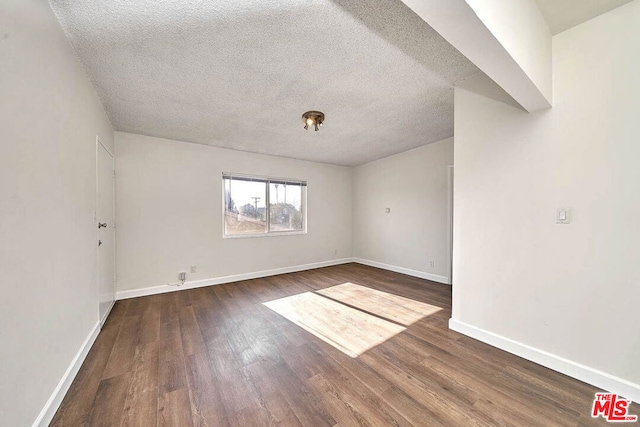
(272, 234)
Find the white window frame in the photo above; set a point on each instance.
(267, 180)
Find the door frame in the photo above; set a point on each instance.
(100, 145)
(450, 176)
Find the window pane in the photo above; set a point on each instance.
(285, 207)
(244, 211)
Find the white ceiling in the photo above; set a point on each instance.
(240, 74)
(564, 14)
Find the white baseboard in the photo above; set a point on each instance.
(106, 314)
(50, 408)
(407, 271)
(573, 369)
(134, 293)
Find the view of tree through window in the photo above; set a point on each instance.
(285, 207)
(255, 205)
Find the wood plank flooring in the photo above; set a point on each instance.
(218, 356)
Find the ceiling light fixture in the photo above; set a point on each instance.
(313, 118)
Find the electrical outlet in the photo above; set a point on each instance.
(193, 268)
(182, 276)
(432, 264)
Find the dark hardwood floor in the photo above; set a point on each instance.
(218, 356)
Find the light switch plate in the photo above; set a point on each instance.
(563, 216)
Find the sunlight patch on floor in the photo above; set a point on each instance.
(350, 317)
(392, 307)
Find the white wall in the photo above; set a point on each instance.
(569, 290)
(49, 119)
(413, 185)
(169, 213)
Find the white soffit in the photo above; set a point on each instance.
(509, 42)
(240, 74)
(564, 14)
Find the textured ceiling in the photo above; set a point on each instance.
(240, 74)
(564, 14)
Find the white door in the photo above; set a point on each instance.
(106, 231)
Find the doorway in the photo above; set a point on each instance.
(105, 223)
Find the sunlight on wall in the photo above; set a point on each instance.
(350, 317)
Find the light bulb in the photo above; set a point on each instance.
(309, 122)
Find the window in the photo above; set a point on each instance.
(255, 206)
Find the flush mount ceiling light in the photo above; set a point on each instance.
(313, 118)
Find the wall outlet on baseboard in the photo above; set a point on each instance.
(432, 264)
(182, 276)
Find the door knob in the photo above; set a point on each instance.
(102, 224)
(99, 242)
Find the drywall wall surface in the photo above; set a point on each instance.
(567, 289)
(169, 210)
(49, 119)
(413, 185)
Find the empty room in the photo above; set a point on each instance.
(319, 213)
